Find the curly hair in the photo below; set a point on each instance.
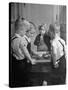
(43, 25)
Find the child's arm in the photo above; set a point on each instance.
(53, 54)
(25, 51)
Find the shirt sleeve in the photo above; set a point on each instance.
(54, 48)
(23, 42)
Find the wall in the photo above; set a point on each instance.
(63, 22)
(33, 12)
(39, 14)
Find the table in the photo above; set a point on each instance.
(40, 71)
(42, 64)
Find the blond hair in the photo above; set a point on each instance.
(21, 25)
(57, 28)
(43, 25)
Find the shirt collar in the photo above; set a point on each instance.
(29, 40)
(57, 37)
(17, 35)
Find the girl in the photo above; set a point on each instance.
(58, 52)
(42, 40)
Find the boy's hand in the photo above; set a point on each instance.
(33, 61)
(56, 65)
(39, 54)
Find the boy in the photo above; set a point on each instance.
(21, 53)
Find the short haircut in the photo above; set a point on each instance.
(40, 27)
(33, 24)
(43, 25)
(18, 22)
(22, 24)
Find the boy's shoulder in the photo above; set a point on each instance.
(62, 40)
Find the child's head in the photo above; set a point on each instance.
(51, 31)
(21, 25)
(43, 29)
(31, 31)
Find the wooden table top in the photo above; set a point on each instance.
(42, 64)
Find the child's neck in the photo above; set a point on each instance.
(42, 35)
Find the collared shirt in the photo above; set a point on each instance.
(59, 46)
(17, 40)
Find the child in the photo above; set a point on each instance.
(21, 53)
(42, 40)
(58, 52)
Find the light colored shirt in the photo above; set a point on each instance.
(58, 47)
(15, 45)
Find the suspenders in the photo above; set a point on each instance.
(62, 45)
(63, 49)
(14, 38)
